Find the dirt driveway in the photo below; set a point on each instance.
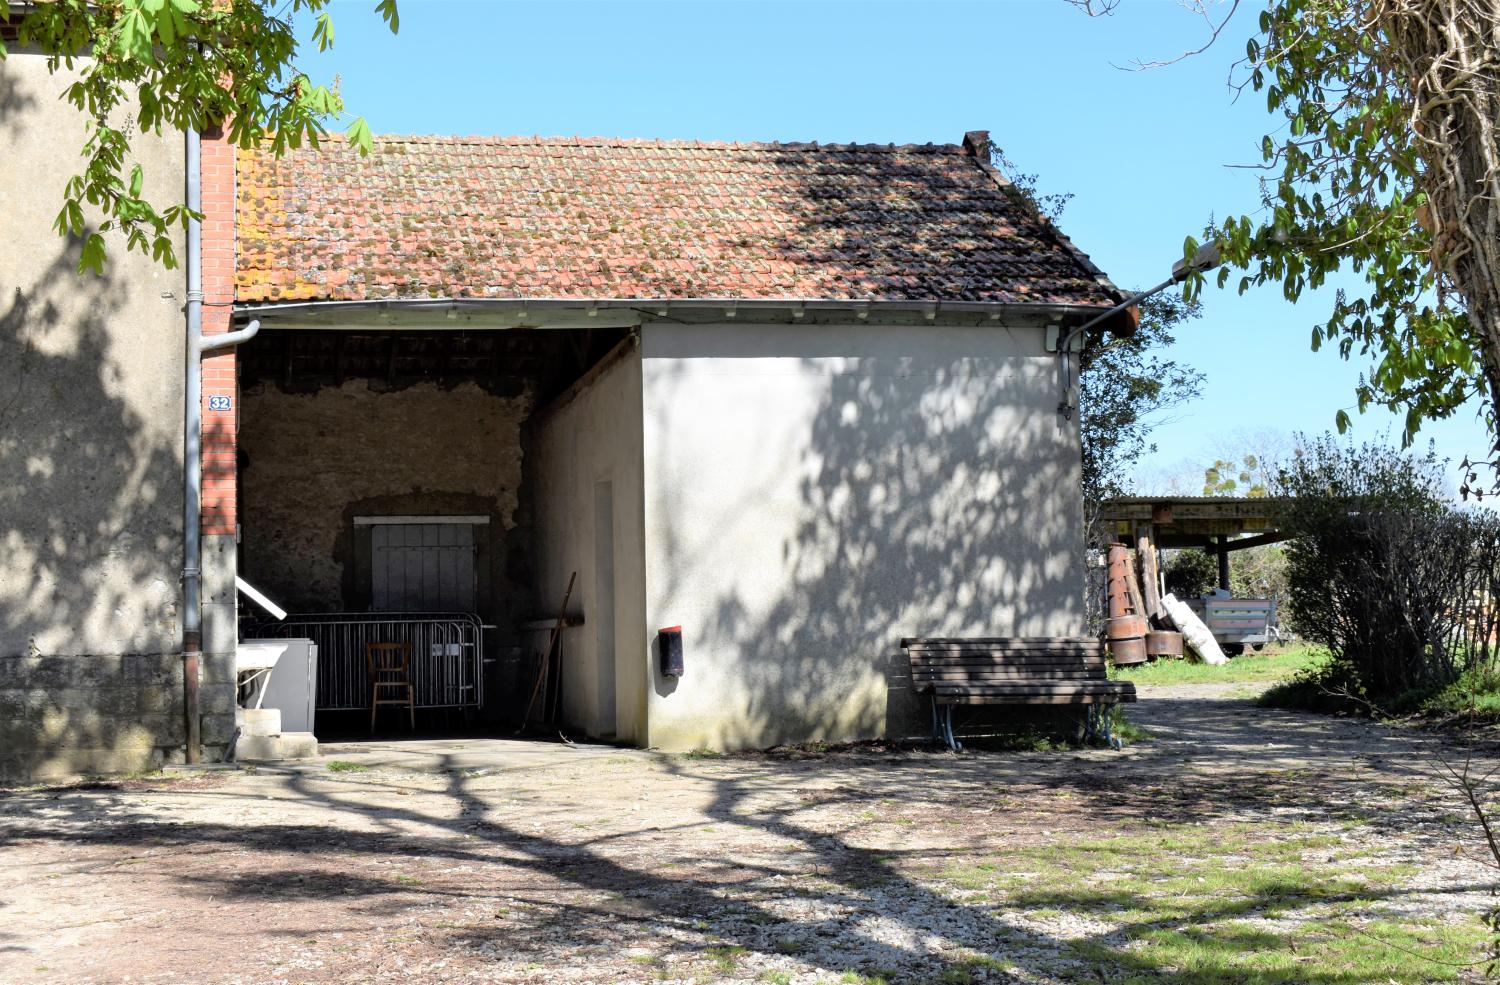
(1236, 844)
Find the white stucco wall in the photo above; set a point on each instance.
(90, 398)
(595, 438)
(91, 377)
(814, 493)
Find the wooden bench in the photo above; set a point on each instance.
(1015, 671)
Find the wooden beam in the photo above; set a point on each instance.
(1145, 548)
(1179, 542)
(1261, 540)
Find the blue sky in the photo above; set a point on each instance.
(1146, 154)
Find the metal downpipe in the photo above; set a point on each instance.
(192, 460)
(192, 463)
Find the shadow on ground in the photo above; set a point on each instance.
(610, 866)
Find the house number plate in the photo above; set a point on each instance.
(220, 403)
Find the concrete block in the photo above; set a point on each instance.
(218, 668)
(15, 671)
(152, 669)
(259, 721)
(109, 700)
(30, 672)
(220, 627)
(267, 749)
(216, 699)
(15, 734)
(15, 702)
(74, 762)
(218, 563)
(161, 730)
(158, 700)
(215, 729)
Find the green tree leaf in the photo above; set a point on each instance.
(157, 78)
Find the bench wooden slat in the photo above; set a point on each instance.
(1013, 670)
(1005, 687)
(1069, 648)
(1010, 673)
(1038, 699)
(998, 641)
(982, 659)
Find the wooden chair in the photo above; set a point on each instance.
(389, 665)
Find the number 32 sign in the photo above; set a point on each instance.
(220, 403)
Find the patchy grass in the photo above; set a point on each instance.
(1218, 903)
(1472, 699)
(855, 978)
(726, 958)
(1128, 732)
(344, 766)
(1269, 667)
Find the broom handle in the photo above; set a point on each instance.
(562, 615)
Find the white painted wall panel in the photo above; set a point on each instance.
(596, 439)
(814, 493)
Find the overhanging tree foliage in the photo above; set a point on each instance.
(145, 66)
(1388, 165)
(1125, 388)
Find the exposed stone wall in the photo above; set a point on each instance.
(314, 461)
(62, 716)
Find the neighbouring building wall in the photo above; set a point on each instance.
(90, 462)
(313, 461)
(589, 508)
(815, 493)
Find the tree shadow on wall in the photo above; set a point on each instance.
(89, 526)
(934, 497)
(15, 106)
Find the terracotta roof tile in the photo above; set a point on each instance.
(585, 217)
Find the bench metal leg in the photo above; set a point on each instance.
(948, 735)
(1099, 726)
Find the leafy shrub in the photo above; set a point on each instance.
(1400, 586)
(1191, 573)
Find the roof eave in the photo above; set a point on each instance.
(520, 310)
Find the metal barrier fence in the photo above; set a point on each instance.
(447, 654)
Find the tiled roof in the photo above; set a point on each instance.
(588, 218)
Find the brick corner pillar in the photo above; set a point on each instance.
(219, 513)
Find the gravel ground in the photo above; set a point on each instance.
(500, 861)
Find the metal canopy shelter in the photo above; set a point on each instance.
(1220, 524)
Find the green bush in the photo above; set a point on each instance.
(1397, 583)
(1191, 573)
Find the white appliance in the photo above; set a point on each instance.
(290, 681)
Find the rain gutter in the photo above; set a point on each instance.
(192, 462)
(663, 308)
